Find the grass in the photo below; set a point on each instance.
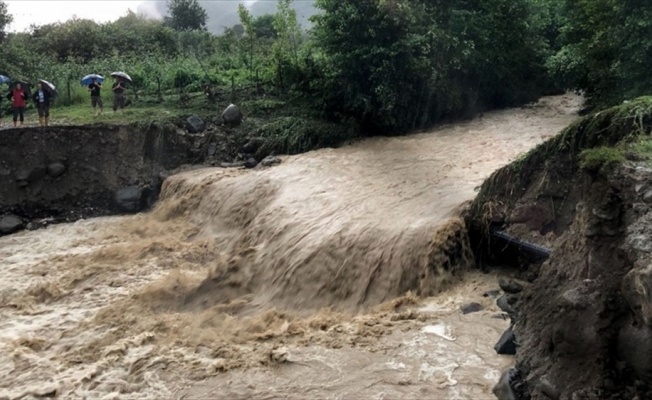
(596, 158)
(141, 110)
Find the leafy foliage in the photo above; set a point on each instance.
(402, 64)
(186, 15)
(5, 19)
(607, 49)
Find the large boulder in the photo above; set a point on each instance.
(10, 224)
(131, 199)
(194, 124)
(232, 115)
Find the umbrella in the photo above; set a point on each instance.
(122, 75)
(47, 85)
(4, 79)
(88, 79)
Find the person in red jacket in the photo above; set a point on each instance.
(18, 96)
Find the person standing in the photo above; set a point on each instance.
(96, 96)
(118, 94)
(42, 100)
(17, 96)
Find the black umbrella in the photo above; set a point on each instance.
(122, 75)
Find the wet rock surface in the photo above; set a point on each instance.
(471, 308)
(10, 224)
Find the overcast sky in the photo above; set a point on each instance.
(39, 12)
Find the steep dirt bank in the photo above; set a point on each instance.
(583, 323)
(69, 172)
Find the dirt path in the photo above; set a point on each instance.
(301, 269)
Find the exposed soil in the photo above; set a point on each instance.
(582, 325)
(63, 173)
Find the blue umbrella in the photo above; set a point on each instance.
(88, 79)
(4, 79)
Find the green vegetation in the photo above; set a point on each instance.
(379, 66)
(596, 158)
(606, 49)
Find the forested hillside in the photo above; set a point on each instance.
(387, 66)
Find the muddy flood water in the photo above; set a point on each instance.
(337, 275)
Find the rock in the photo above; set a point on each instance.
(252, 145)
(130, 199)
(494, 294)
(250, 163)
(504, 389)
(212, 149)
(504, 304)
(634, 346)
(270, 161)
(507, 343)
(510, 286)
(471, 308)
(56, 169)
(10, 224)
(31, 174)
(232, 115)
(194, 124)
(238, 164)
(637, 290)
(647, 197)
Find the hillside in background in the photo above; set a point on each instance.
(224, 14)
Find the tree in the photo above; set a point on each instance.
(5, 19)
(186, 15)
(607, 49)
(403, 64)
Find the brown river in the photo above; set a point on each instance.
(338, 274)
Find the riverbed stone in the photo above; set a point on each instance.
(194, 124)
(232, 115)
(270, 161)
(10, 224)
(130, 199)
(510, 286)
(250, 162)
(56, 169)
(504, 303)
(504, 389)
(507, 343)
(471, 308)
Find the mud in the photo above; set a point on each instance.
(63, 173)
(586, 309)
(348, 265)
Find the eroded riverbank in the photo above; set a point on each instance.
(314, 256)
